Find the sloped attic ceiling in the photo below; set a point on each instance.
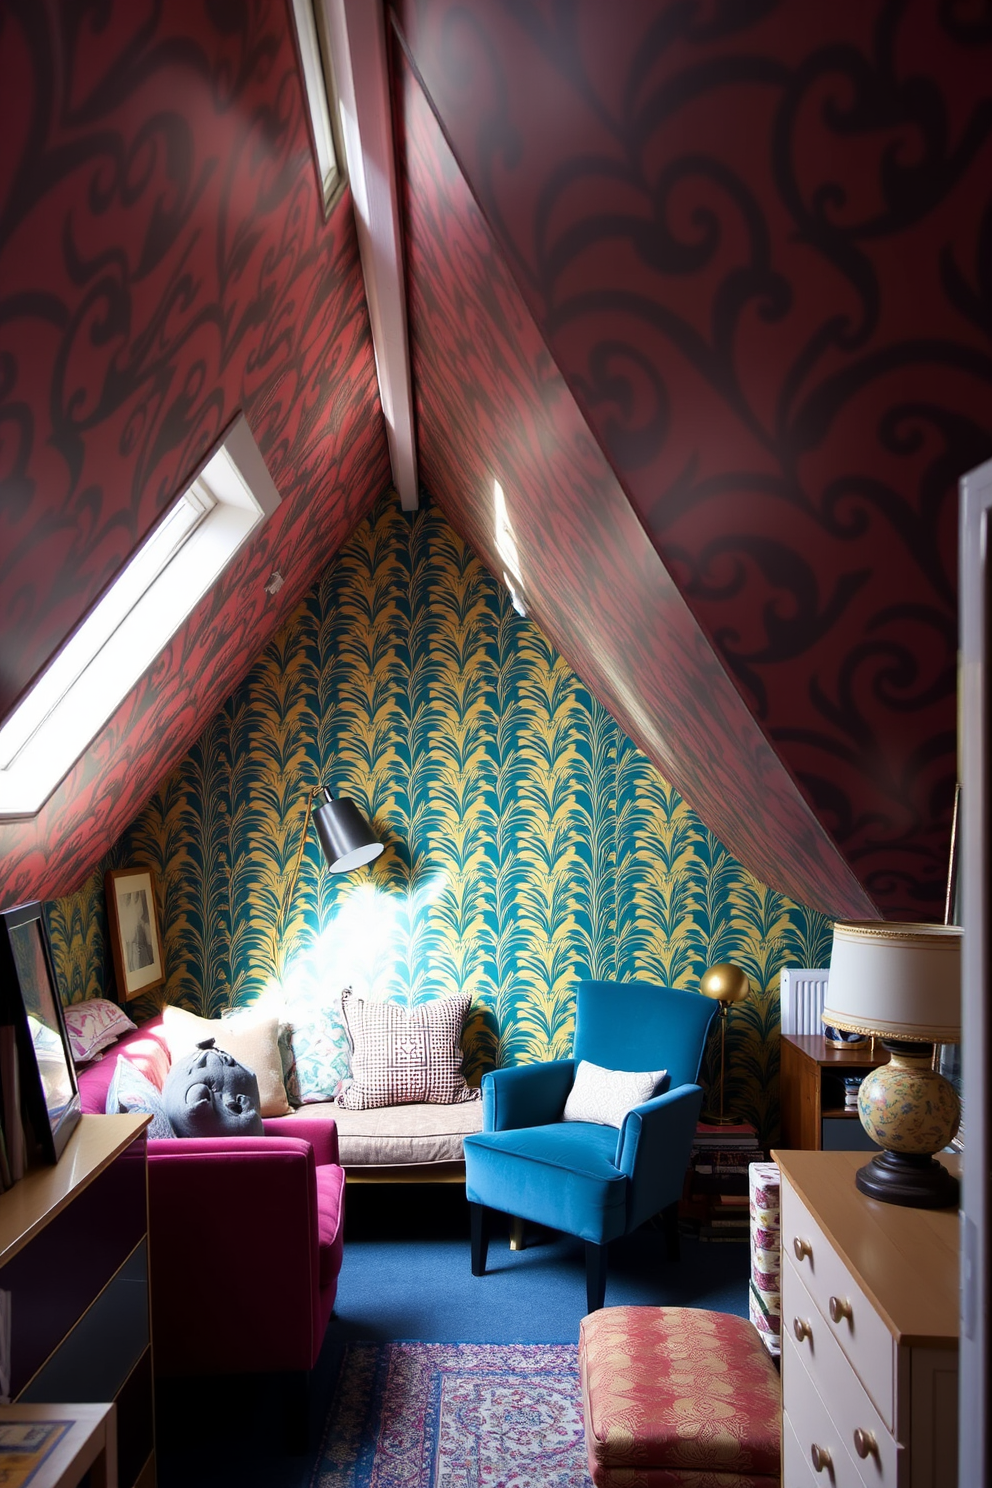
(505, 449)
(164, 263)
(755, 240)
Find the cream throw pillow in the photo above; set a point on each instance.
(253, 1043)
(605, 1096)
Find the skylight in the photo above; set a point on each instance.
(319, 85)
(506, 546)
(133, 621)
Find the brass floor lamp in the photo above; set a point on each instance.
(725, 983)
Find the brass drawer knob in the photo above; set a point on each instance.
(802, 1249)
(802, 1330)
(865, 1444)
(840, 1308)
(822, 1460)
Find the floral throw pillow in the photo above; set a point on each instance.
(402, 1055)
(132, 1094)
(316, 1057)
(93, 1025)
(313, 1041)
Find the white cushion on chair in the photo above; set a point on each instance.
(605, 1096)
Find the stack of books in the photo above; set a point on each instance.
(715, 1199)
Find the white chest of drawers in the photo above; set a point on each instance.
(869, 1333)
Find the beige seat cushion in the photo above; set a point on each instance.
(400, 1136)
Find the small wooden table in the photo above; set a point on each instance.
(89, 1445)
(807, 1062)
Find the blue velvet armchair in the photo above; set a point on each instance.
(589, 1180)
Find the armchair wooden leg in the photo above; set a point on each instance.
(517, 1241)
(670, 1228)
(595, 1275)
(479, 1216)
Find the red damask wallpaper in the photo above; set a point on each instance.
(756, 239)
(493, 411)
(164, 262)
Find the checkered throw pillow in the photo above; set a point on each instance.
(402, 1055)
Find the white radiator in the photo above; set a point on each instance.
(803, 995)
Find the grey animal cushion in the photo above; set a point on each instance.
(207, 1093)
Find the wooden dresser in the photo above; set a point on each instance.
(869, 1333)
(74, 1261)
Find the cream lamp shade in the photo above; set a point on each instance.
(902, 983)
(896, 981)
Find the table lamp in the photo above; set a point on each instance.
(726, 984)
(902, 983)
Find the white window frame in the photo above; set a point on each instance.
(121, 637)
(321, 96)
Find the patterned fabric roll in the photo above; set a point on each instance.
(764, 1288)
(768, 1324)
(765, 1193)
(767, 1283)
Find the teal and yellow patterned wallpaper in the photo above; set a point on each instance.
(529, 843)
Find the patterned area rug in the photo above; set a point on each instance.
(455, 1415)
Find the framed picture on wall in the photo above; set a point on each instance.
(39, 1092)
(135, 940)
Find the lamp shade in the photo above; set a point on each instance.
(896, 981)
(345, 836)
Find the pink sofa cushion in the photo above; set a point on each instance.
(145, 1047)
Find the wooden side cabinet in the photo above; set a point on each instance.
(85, 1449)
(812, 1073)
(74, 1262)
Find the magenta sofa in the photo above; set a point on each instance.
(245, 1235)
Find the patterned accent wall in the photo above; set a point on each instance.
(755, 238)
(529, 842)
(164, 263)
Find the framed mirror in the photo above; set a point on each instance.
(37, 1074)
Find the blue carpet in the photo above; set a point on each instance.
(406, 1276)
(423, 1289)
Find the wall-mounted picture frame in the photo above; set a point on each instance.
(37, 1073)
(135, 938)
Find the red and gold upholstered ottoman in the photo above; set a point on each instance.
(676, 1398)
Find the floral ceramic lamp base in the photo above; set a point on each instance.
(912, 1112)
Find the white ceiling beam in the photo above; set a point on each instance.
(357, 32)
